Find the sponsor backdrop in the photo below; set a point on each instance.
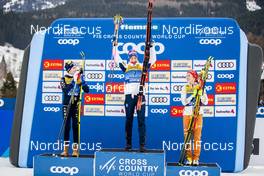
(7, 106)
(181, 45)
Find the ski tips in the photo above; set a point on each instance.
(82, 54)
(118, 19)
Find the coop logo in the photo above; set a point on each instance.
(64, 170)
(260, 111)
(193, 173)
(98, 87)
(51, 98)
(210, 42)
(53, 64)
(208, 88)
(223, 65)
(159, 111)
(95, 76)
(68, 42)
(225, 76)
(2, 103)
(94, 99)
(176, 111)
(159, 100)
(109, 165)
(51, 109)
(116, 76)
(225, 88)
(161, 65)
(123, 48)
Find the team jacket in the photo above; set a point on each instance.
(67, 85)
(188, 100)
(133, 72)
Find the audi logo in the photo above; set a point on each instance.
(225, 76)
(118, 76)
(52, 98)
(193, 173)
(159, 99)
(51, 109)
(177, 88)
(68, 41)
(176, 99)
(94, 75)
(2, 103)
(225, 64)
(64, 170)
(159, 111)
(210, 42)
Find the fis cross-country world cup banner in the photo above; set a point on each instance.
(181, 44)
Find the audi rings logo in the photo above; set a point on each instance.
(177, 88)
(94, 75)
(64, 170)
(176, 99)
(225, 64)
(225, 76)
(68, 42)
(193, 173)
(2, 103)
(210, 42)
(51, 109)
(52, 98)
(159, 111)
(116, 76)
(159, 99)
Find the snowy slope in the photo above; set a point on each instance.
(13, 58)
(30, 5)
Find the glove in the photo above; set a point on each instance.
(200, 92)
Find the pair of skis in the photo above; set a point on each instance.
(202, 80)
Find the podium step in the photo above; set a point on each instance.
(204, 169)
(48, 164)
(118, 162)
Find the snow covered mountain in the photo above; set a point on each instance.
(10, 61)
(30, 5)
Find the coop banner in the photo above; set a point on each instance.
(180, 44)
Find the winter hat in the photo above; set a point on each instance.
(194, 74)
(132, 53)
(68, 66)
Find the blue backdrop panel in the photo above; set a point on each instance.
(181, 44)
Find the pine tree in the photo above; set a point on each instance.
(9, 88)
